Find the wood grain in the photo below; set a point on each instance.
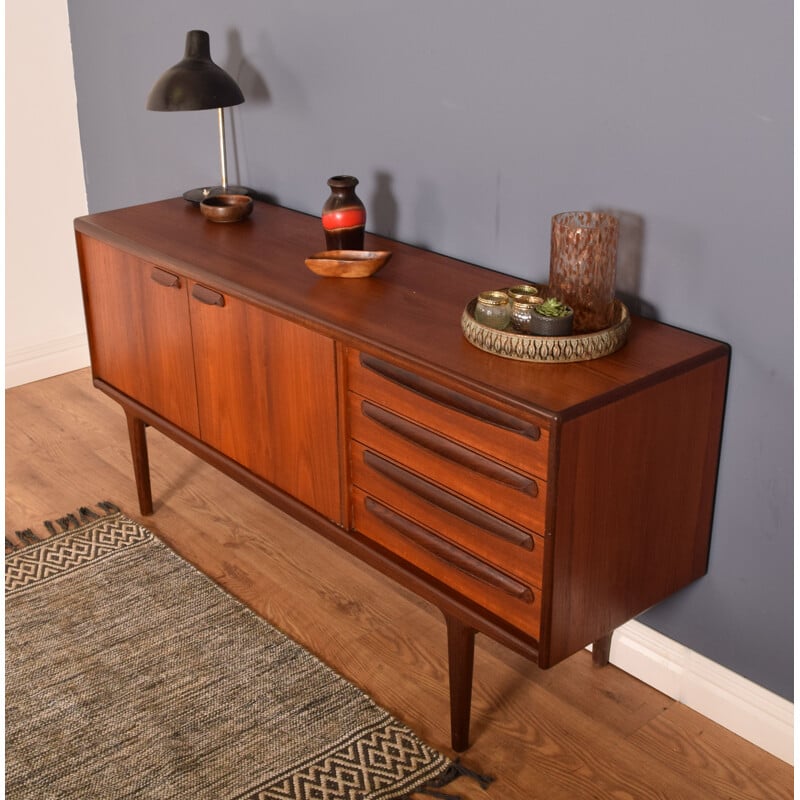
(611, 464)
(611, 559)
(569, 733)
(403, 306)
(138, 321)
(253, 385)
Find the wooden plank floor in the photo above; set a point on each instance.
(568, 733)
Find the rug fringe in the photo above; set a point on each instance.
(455, 770)
(27, 536)
(84, 514)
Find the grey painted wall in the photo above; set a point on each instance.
(469, 124)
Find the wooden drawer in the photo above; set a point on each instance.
(486, 536)
(502, 594)
(509, 492)
(507, 437)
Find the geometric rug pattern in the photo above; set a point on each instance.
(130, 674)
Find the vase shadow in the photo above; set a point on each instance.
(384, 211)
(630, 252)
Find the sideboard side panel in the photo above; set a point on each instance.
(633, 506)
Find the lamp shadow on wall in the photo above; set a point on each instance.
(630, 251)
(255, 90)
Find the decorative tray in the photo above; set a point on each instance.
(547, 349)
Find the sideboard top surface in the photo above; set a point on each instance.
(411, 308)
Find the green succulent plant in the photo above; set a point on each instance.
(553, 308)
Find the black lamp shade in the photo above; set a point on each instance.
(196, 82)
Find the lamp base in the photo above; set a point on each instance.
(197, 195)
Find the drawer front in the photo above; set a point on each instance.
(508, 492)
(500, 593)
(491, 539)
(473, 423)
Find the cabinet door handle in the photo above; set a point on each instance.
(447, 397)
(207, 296)
(444, 448)
(448, 502)
(446, 551)
(164, 278)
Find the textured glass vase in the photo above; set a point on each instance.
(583, 263)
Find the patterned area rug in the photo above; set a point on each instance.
(129, 674)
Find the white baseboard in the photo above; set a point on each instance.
(743, 707)
(55, 357)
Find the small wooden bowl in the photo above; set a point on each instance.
(226, 207)
(347, 263)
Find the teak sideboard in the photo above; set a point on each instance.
(543, 505)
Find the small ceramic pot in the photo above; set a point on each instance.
(543, 325)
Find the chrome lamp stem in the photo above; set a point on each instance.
(222, 156)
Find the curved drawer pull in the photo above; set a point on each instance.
(164, 278)
(207, 296)
(445, 551)
(440, 446)
(447, 397)
(448, 502)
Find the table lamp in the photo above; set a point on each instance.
(194, 84)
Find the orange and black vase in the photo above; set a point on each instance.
(344, 215)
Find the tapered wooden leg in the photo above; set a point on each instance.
(461, 657)
(601, 650)
(141, 464)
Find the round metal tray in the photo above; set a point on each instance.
(547, 349)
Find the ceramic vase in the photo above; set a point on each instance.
(343, 215)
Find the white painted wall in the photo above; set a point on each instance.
(45, 191)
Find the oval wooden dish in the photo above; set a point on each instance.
(547, 349)
(347, 263)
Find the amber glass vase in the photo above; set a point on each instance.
(583, 264)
